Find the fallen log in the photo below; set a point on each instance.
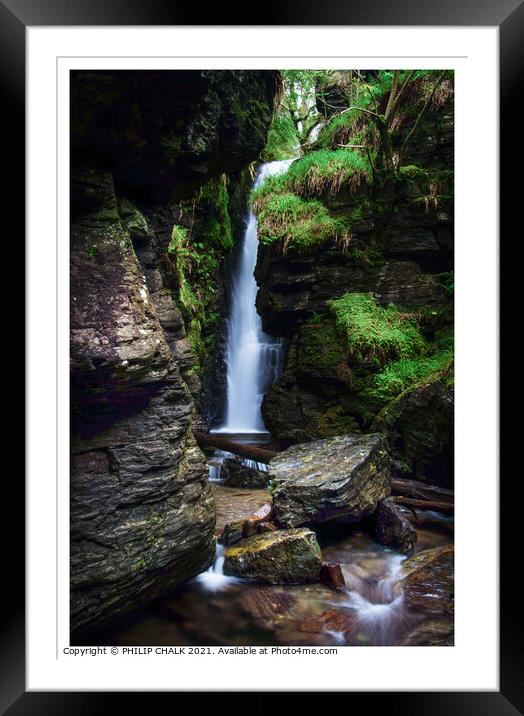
(421, 491)
(448, 508)
(252, 452)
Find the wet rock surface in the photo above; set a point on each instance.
(236, 473)
(428, 581)
(142, 513)
(237, 612)
(392, 527)
(437, 632)
(419, 426)
(248, 526)
(332, 576)
(282, 557)
(339, 478)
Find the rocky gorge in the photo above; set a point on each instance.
(334, 525)
(148, 149)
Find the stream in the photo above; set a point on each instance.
(214, 609)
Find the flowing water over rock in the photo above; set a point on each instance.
(214, 609)
(253, 359)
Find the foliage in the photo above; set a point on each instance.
(447, 279)
(214, 199)
(397, 376)
(282, 141)
(322, 171)
(374, 334)
(195, 254)
(285, 220)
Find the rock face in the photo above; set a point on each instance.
(142, 514)
(163, 132)
(392, 528)
(237, 474)
(419, 426)
(399, 257)
(428, 582)
(281, 557)
(341, 478)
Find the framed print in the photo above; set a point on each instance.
(263, 400)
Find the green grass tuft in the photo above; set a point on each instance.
(319, 172)
(288, 221)
(399, 375)
(376, 335)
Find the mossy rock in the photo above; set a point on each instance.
(281, 557)
(342, 478)
(419, 428)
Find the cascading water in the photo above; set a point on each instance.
(253, 358)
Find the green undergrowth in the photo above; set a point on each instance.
(319, 172)
(282, 142)
(354, 125)
(195, 254)
(387, 349)
(400, 375)
(288, 221)
(290, 209)
(375, 334)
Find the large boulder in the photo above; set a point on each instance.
(428, 581)
(281, 557)
(393, 528)
(236, 473)
(142, 513)
(338, 478)
(419, 427)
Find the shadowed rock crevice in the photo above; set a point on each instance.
(142, 145)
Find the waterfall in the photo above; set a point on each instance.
(253, 358)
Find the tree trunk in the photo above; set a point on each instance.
(252, 452)
(445, 507)
(421, 491)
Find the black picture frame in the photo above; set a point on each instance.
(508, 15)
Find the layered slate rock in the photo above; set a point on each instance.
(428, 581)
(419, 427)
(393, 528)
(236, 473)
(282, 557)
(142, 514)
(340, 478)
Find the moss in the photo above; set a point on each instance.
(400, 375)
(214, 200)
(319, 172)
(288, 221)
(333, 421)
(374, 334)
(282, 141)
(201, 238)
(328, 171)
(321, 351)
